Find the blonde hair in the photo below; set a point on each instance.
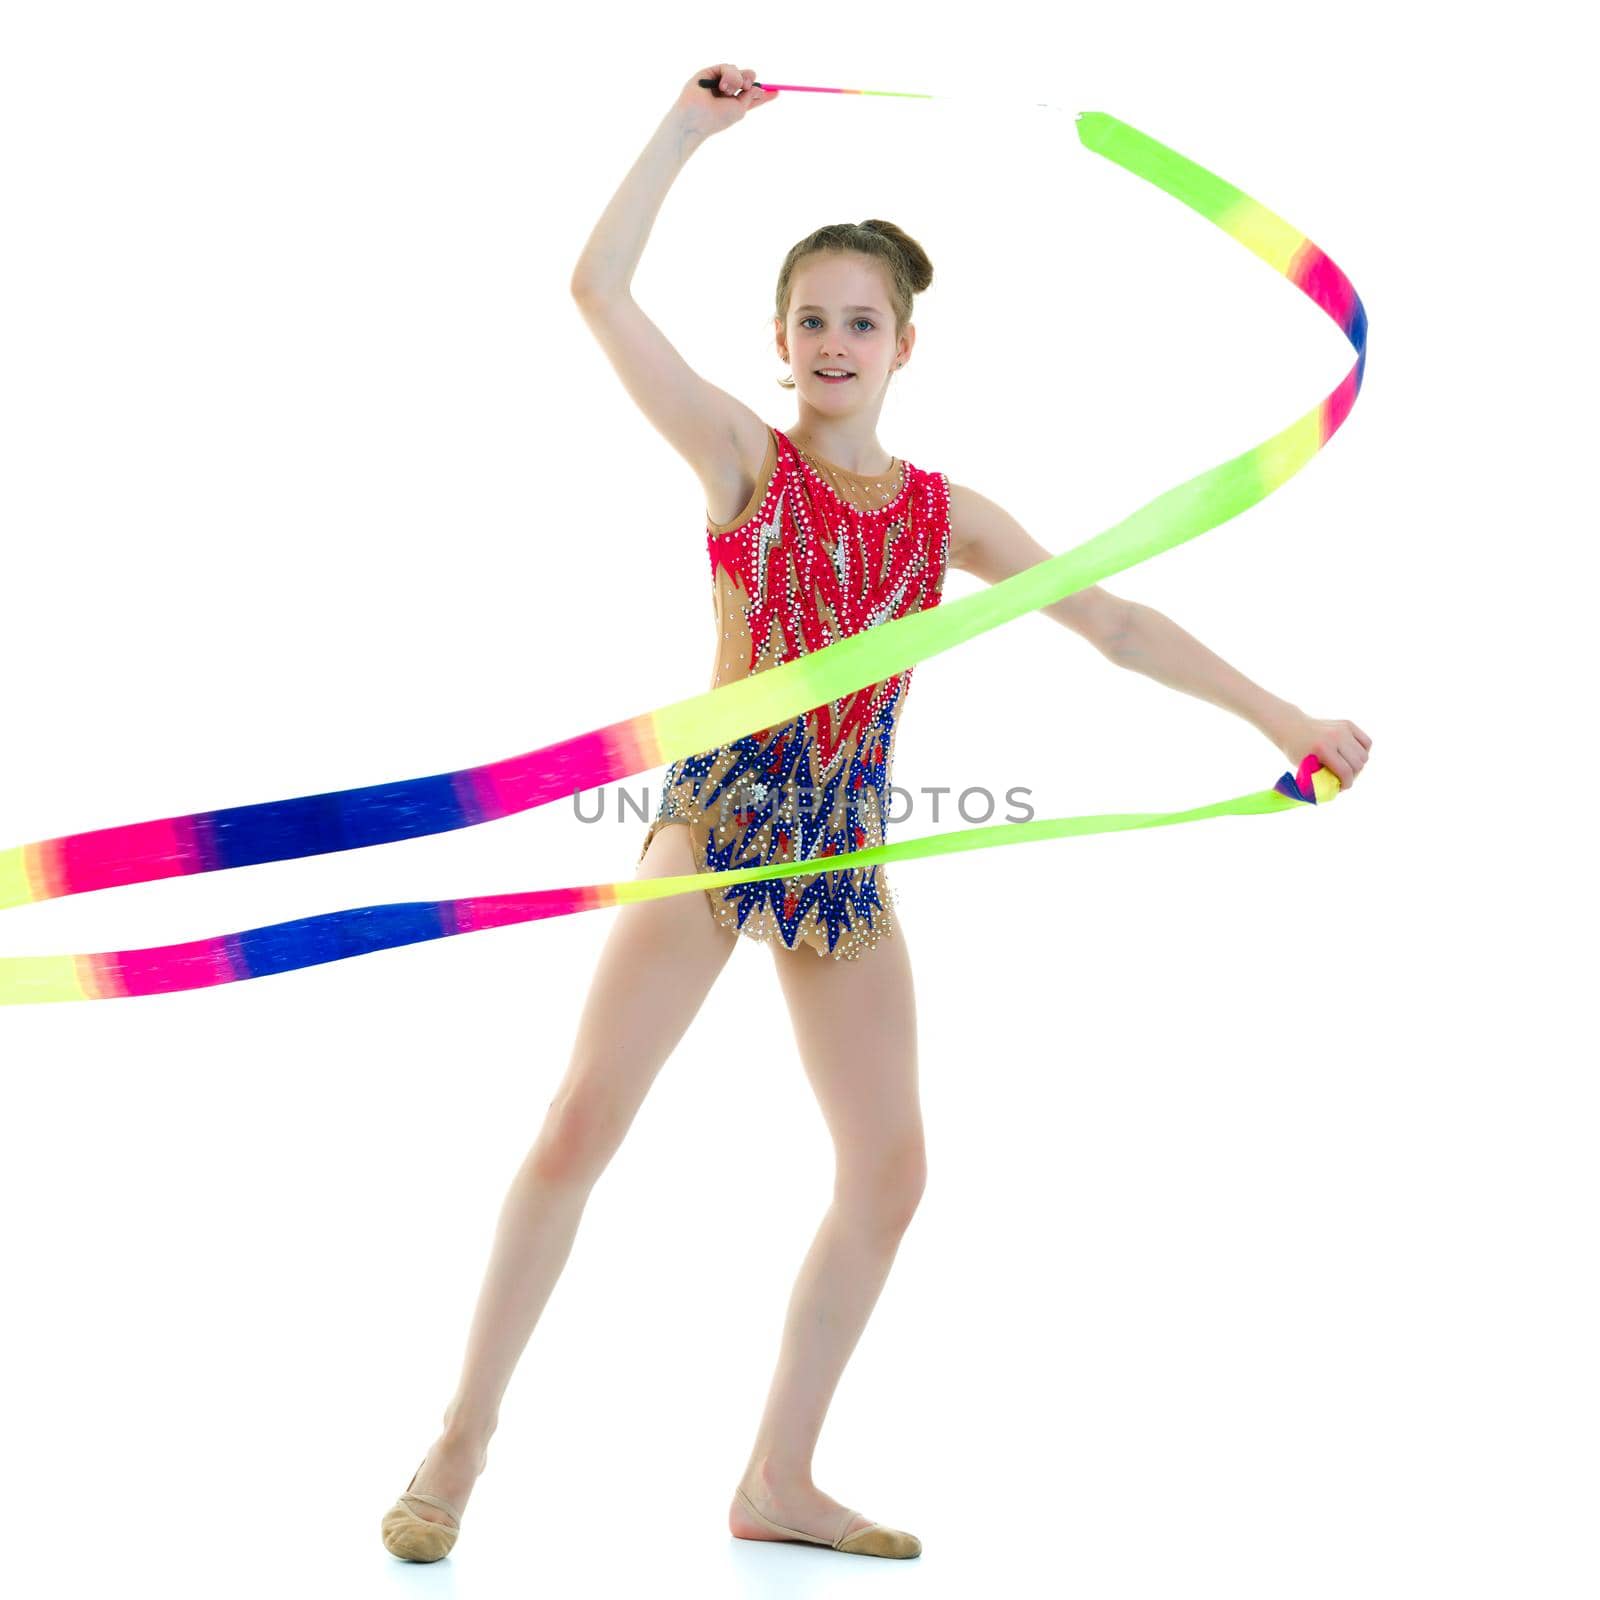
(909, 269)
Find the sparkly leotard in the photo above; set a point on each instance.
(816, 554)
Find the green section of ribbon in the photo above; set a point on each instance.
(1255, 804)
(1159, 164)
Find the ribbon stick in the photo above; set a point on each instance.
(893, 94)
(349, 819)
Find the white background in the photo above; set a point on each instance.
(1257, 1252)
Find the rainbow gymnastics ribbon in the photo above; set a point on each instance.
(352, 819)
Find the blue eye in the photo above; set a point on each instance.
(868, 320)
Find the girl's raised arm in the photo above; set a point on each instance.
(710, 429)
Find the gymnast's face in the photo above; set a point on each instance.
(840, 317)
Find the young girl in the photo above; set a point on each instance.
(813, 534)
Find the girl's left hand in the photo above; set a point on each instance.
(1337, 743)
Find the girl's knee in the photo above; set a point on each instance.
(579, 1136)
(885, 1189)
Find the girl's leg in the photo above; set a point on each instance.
(656, 967)
(855, 1022)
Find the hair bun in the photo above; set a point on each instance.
(919, 269)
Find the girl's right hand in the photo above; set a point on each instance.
(712, 110)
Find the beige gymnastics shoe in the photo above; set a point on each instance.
(873, 1540)
(415, 1538)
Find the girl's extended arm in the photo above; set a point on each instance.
(986, 540)
(1152, 643)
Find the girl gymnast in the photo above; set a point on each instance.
(811, 537)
